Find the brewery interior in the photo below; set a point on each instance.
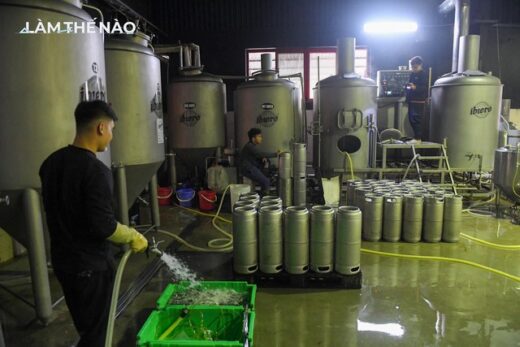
(367, 235)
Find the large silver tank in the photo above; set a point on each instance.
(272, 104)
(343, 107)
(134, 89)
(196, 115)
(465, 111)
(507, 161)
(43, 79)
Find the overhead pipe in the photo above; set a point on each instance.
(345, 57)
(469, 48)
(460, 25)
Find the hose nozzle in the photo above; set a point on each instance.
(154, 247)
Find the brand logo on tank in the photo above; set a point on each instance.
(481, 110)
(190, 118)
(82, 27)
(267, 118)
(156, 103)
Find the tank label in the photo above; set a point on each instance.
(92, 89)
(481, 110)
(190, 117)
(267, 118)
(160, 130)
(156, 103)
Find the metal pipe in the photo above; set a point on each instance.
(196, 53)
(187, 57)
(172, 170)
(154, 201)
(469, 48)
(37, 258)
(460, 28)
(266, 62)
(345, 57)
(121, 194)
(171, 49)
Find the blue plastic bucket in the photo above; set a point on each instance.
(185, 196)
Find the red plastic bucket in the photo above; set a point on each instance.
(164, 195)
(207, 200)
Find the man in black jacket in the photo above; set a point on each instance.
(77, 192)
(416, 95)
(252, 160)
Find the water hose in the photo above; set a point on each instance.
(491, 244)
(115, 294)
(350, 164)
(447, 259)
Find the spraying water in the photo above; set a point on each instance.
(179, 270)
(201, 296)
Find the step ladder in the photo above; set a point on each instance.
(443, 165)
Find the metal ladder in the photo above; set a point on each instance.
(442, 168)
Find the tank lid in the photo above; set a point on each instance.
(348, 80)
(196, 77)
(138, 42)
(467, 77)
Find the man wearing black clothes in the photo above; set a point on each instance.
(77, 194)
(416, 95)
(252, 160)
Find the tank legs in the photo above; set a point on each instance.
(121, 195)
(37, 256)
(154, 202)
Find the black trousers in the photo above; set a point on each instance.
(87, 295)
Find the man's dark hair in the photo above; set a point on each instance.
(417, 60)
(88, 111)
(253, 132)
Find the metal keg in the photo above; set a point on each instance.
(244, 203)
(270, 239)
(432, 219)
(250, 197)
(322, 239)
(299, 160)
(412, 218)
(351, 187)
(299, 191)
(285, 191)
(348, 240)
(245, 243)
(296, 239)
(285, 165)
(359, 196)
(373, 217)
(392, 218)
(271, 203)
(452, 218)
(270, 198)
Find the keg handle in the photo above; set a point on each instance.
(357, 119)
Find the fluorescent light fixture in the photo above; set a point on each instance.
(390, 27)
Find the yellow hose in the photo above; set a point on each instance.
(204, 214)
(350, 165)
(453, 260)
(491, 244)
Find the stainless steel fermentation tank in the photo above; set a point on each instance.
(507, 172)
(465, 110)
(44, 78)
(196, 111)
(272, 104)
(345, 113)
(134, 89)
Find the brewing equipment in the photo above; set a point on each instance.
(344, 116)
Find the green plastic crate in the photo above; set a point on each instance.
(225, 322)
(247, 290)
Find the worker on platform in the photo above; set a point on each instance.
(416, 95)
(77, 192)
(252, 161)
